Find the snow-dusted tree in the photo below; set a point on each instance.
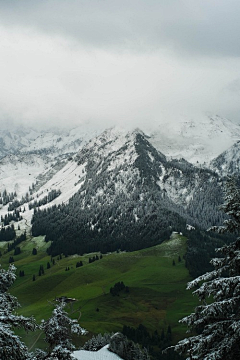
(97, 342)
(11, 346)
(127, 349)
(58, 330)
(217, 320)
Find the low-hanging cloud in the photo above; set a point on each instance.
(199, 27)
(117, 61)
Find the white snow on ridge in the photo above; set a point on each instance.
(102, 354)
(68, 180)
(112, 140)
(26, 153)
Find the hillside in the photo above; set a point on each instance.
(156, 287)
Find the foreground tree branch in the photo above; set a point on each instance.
(217, 320)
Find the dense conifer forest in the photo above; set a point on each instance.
(87, 232)
(201, 249)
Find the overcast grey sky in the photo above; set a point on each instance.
(108, 61)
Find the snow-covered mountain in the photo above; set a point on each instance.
(120, 191)
(227, 163)
(123, 160)
(200, 139)
(116, 182)
(28, 156)
(51, 142)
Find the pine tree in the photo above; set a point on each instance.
(11, 347)
(217, 321)
(58, 330)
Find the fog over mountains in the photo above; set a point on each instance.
(200, 139)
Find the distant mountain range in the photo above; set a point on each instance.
(53, 142)
(117, 189)
(27, 155)
(197, 140)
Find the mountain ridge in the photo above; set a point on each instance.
(129, 185)
(115, 186)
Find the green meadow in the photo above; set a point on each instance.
(157, 294)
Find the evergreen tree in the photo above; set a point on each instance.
(58, 330)
(21, 273)
(41, 270)
(127, 349)
(97, 342)
(217, 322)
(11, 347)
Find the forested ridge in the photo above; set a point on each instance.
(103, 230)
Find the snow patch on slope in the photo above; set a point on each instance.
(68, 180)
(18, 172)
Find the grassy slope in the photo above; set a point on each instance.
(157, 294)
